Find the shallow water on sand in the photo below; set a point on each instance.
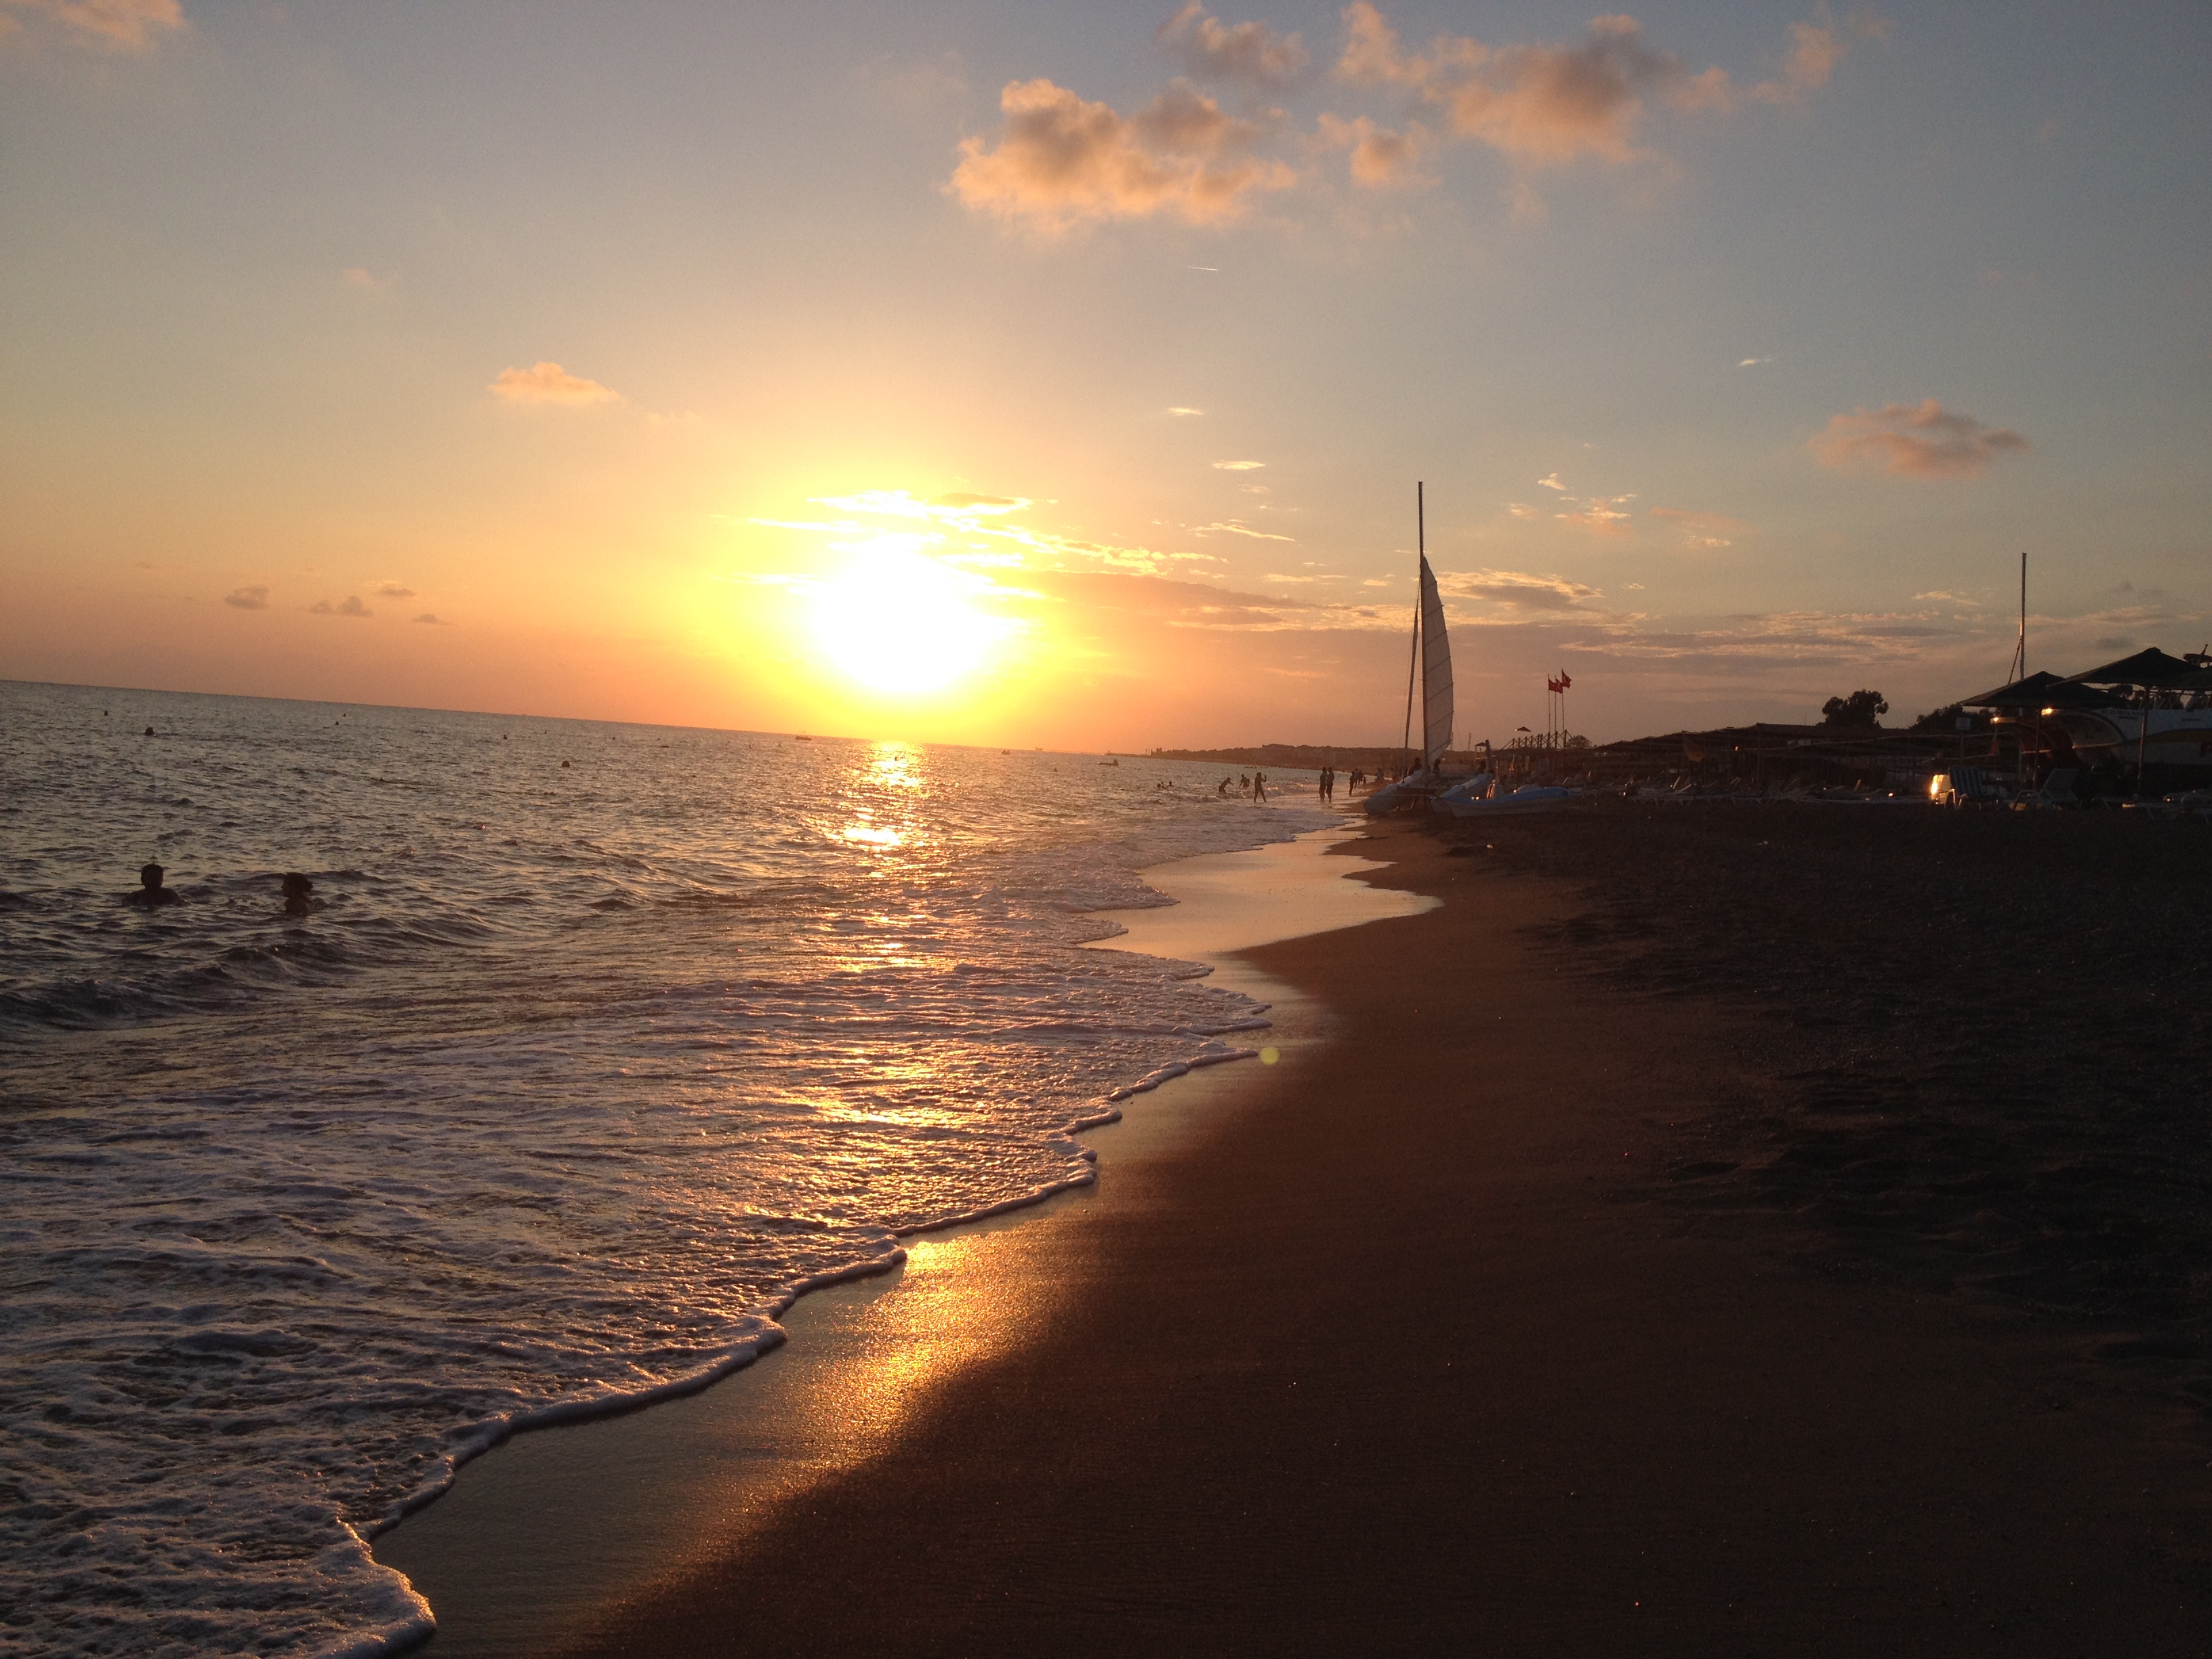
(574, 1072)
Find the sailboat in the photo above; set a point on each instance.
(1429, 666)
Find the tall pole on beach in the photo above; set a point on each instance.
(2020, 650)
(1412, 662)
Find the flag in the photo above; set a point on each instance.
(1565, 679)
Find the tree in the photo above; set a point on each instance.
(1861, 710)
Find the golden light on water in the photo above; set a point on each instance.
(900, 622)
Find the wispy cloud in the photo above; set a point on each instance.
(118, 25)
(1180, 411)
(1914, 440)
(549, 383)
(1602, 515)
(392, 591)
(1517, 590)
(1552, 483)
(1061, 162)
(1239, 466)
(1231, 527)
(349, 606)
(1702, 530)
(428, 618)
(1248, 53)
(1381, 158)
(247, 599)
(1815, 49)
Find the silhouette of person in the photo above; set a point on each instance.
(297, 887)
(1260, 786)
(151, 893)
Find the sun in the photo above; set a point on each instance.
(900, 622)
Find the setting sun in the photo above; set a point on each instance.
(899, 621)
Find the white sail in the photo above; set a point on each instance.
(1435, 672)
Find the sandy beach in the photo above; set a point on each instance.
(1455, 1329)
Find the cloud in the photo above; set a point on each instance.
(1381, 158)
(1186, 411)
(1921, 441)
(1602, 514)
(1552, 483)
(1754, 362)
(349, 606)
(118, 25)
(1541, 104)
(1523, 510)
(1558, 101)
(428, 618)
(549, 383)
(1815, 49)
(1061, 162)
(1702, 530)
(1239, 466)
(247, 599)
(392, 591)
(1517, 590)
(1250, 53)
(1234, 528)
(961, 501)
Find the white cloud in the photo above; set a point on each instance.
(1239, 466)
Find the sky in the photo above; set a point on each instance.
(1062, 374)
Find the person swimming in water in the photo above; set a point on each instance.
(151, 893)
(297, 888)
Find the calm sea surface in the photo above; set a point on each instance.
(575, 1072)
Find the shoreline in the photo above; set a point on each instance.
(559, 1519)
(1409, 1355)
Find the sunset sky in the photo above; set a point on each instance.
(1061, 374)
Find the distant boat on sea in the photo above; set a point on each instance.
(800, 737)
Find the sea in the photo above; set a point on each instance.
(596, 1045)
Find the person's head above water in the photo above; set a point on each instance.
(297, 885)
(149, 877)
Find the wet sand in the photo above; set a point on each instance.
(1409, 1345)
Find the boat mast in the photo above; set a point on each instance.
(1413, 662)
(2020, 650)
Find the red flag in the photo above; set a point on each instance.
(1550, 685)
(1565, 680)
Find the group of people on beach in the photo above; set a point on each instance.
(1252, 787)
(152, 895)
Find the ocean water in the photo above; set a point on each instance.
(574, 1076)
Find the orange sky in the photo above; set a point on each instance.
(625, 366)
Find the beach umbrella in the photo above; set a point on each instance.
(2148, 669)
(2020, 694)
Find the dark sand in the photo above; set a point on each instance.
(1468, 1342)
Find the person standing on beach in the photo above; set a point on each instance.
(1259, 787)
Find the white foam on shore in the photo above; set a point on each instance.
(1303, 893)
